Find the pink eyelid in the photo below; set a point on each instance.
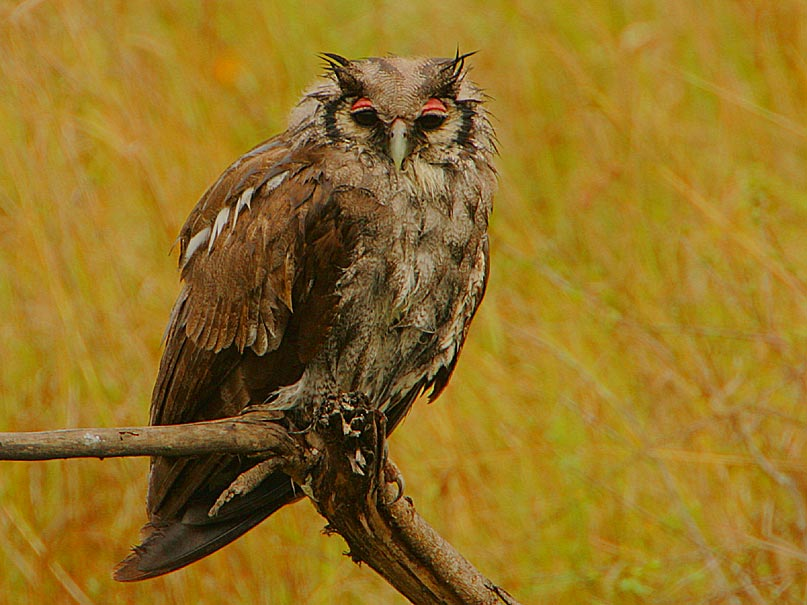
(362, 103)
(433, 105)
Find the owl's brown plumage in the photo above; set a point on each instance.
(348, 253)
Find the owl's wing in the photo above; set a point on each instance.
(259, 255)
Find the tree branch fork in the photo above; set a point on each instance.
(340, 461)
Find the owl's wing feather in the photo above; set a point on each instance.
(256, 305)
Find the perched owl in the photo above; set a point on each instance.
(347, 254)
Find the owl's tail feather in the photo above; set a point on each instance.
(168, 546)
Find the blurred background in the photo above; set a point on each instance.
(628, 421)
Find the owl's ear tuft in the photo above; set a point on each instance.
(458, 64)
(339, 66)
(452, 73)
(334, 60)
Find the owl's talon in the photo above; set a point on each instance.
(401, 484)
(393, 475)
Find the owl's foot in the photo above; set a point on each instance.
(245, 483)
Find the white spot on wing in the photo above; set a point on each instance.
(218, 225)
(275, 181)
(196, 241)
(209, 234)
(245, 201)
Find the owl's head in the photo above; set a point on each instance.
(399, 108)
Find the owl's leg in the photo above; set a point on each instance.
(246, 482)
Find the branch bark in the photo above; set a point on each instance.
(251, 433)
(342, 464)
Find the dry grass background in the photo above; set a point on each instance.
(628, 421)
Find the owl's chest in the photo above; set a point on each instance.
(407, 265)
(414, 251)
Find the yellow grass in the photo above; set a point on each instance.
(628, 423)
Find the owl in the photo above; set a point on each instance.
(346, 255)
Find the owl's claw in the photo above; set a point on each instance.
(393, 475)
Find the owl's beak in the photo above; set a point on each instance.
(400, 142)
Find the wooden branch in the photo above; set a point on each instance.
(341, 463)
(252, 433)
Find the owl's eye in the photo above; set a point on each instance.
(363, 112)
(431, 121)
(432, 115)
